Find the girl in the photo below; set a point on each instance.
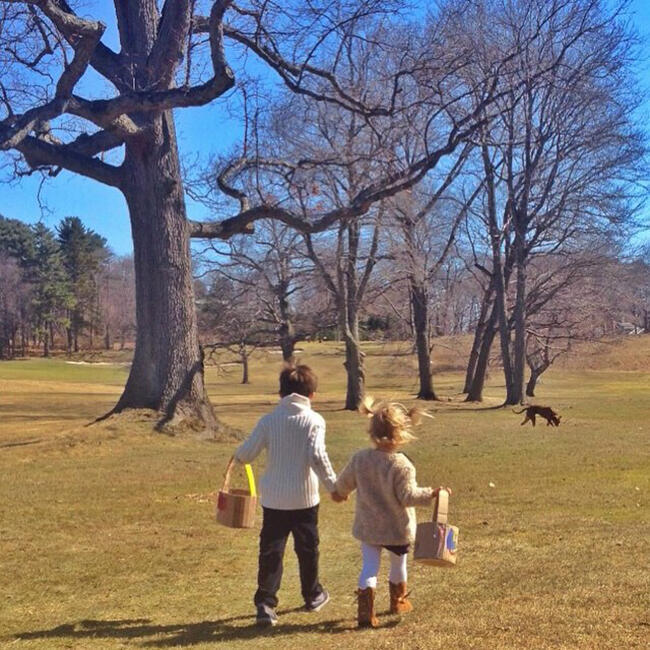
(386, 489)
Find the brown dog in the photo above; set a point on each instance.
(546, 412)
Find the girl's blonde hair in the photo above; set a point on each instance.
(391, 423)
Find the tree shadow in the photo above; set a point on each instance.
(183, 634)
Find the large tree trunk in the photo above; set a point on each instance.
(504, 334)
(475, 392)
(519, 351)
(356, 375)
(420, 325)
(532, 383)
(287, 342)
(478, 338)
(285, 331)
(167, 369)
(353, 358)
(349, 311)
(244, 363)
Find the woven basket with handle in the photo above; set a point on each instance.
(235, 508)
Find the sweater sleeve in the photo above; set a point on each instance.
(347, 480)
(318, 458)
(253, 445)
(406, 488)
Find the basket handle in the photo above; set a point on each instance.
(249, 475)
(441, 508)
(226, 476)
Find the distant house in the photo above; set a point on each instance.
(629, 328)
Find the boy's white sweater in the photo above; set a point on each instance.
(294, 438)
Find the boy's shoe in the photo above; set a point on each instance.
(266, 616)
(319, 602)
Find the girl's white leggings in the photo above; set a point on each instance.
(371, 559)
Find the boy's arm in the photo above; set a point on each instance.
(318, 458)
(407, 491)
(346, 482)
(253, 445)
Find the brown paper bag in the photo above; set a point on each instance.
(436, 541)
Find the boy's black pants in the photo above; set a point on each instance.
(276, 526)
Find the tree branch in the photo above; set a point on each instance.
(14, 129)
(40, 153)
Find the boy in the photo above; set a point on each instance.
(294, 438)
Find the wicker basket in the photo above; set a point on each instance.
(236, 508)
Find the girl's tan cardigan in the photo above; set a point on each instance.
(386, 493)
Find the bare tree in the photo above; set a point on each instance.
(170, 58)
(560, 160)
(272, 267)
(116, 300)
(232, 320)
(427, 228)
(176, 57)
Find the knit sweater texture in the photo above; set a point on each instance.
(293, 435)
(386, 493)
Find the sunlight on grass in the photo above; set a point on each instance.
(107, 535)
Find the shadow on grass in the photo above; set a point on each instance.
(225, 629)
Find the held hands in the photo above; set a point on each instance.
(337, 498)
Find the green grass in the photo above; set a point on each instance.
(107, 537)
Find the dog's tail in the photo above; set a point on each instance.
(520, 412)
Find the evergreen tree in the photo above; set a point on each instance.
(16, 240)
(82, 252)
(51, 296)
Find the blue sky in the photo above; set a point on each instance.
(201, 131)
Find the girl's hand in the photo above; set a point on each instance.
(437, 490)
(337, 498)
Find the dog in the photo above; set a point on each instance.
(546, 412)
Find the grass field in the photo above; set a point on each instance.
(107, 538)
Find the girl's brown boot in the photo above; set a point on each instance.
(399, 602)
(366, 612)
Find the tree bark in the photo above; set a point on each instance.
(244, 362)
(167, 372)
(353, 357)
(475, 392)
(478, 339)
(420, 324)
(356, 375)
(286, 331)
(532, 383)
(287, 342)
(516, 395)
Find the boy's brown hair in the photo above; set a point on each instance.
(298, 379)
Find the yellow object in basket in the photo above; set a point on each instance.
(235, 508)
(251, 479)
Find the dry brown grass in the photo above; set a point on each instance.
(107, 538)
